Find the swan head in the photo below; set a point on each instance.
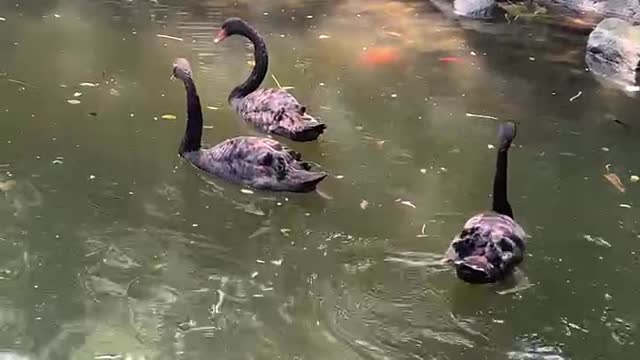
(181, 69)
(233, 26)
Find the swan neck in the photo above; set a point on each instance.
(259, 71)
(193, 133)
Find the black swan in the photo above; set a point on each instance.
(252, 161)
(273, 111)
(491, 244)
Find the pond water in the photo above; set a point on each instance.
(112, 247)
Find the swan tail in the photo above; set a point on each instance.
(298, 125)
(307, 181)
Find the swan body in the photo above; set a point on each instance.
(273, 111)
(256, 162)
(491, 243)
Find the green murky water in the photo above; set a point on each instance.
(111, 246)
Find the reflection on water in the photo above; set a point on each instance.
(111, 247)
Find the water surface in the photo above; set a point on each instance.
(112, 246)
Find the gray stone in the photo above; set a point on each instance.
(613, 51)
(624, 9)
(475, 8)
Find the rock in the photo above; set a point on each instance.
(613, 51)
(472, 9)
(477, 9)
(623, 9)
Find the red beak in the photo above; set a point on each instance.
(221, 36)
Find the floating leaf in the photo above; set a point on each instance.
(77, 94)
(615, 181)
(73, 101)
(168, 117)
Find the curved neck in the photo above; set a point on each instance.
(193, 133)
(259, 69)
(500, 202)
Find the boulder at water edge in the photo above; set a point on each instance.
(476, 9)
(624, 9)
(613, 51)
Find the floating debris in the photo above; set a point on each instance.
(615, 181)
(423, 170)
(21, 83)
(422, 233)
(2, 19)
(364, 204)
(626, 206)
(169, 37)
(576, 96)
(280, 86)
(114, 92)
(324, 36)
(73, 101)
(406, 203)
(596, 240)
(168, 117)
(77, 94)
(88, 84)
(212, 108)
(246, 191)
(490, 146)
(634, 178)
(481, 116)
